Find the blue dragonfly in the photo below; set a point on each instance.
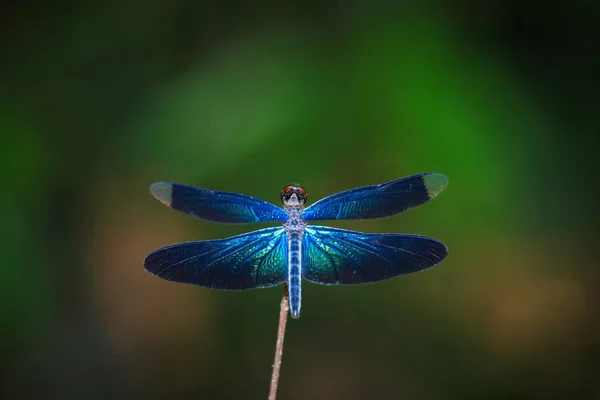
(319, 254)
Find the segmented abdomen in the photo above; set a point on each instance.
(294, 268)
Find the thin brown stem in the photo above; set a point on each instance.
(283, 313)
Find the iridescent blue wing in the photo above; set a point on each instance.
(379, 200)
(252, 260)
(335, 256)
(216, 206)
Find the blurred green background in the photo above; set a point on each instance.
(100, 99)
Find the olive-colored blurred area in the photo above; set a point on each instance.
(100, 99)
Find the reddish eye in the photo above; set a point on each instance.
(285, 190)
(301, 189)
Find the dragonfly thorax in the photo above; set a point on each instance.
(294, 223)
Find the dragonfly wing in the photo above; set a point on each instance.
(378, 201)
(336, 256)
(216, 206)
(252, 260)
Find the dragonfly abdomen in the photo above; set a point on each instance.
(294, 268)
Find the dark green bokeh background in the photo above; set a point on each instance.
(100, 99)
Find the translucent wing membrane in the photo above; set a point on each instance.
(216, 206)
(254, 260)
(335, 256)
(379, 200)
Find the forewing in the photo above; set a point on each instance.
(378, 201)
(335, 256)
(216, 206)
(252, 260)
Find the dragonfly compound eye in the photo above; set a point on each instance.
(288, 191)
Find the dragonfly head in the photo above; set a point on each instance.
(293, 195)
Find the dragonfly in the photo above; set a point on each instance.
(295, 249)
